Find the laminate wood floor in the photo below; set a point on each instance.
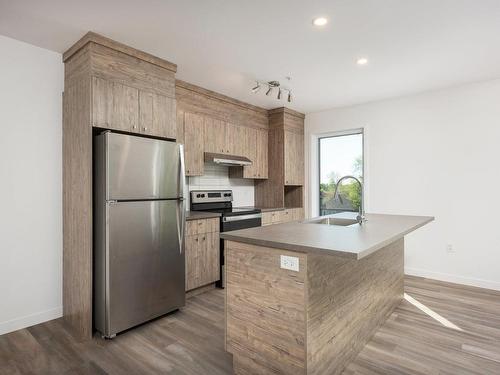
(457, 333)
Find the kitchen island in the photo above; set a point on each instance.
(305, 297)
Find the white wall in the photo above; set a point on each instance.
(216, 177)
(31, 83)
(431, 154)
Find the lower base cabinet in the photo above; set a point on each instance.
(282, 216)
(202, 247)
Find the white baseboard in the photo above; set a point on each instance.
(30, 320)
(487, 284)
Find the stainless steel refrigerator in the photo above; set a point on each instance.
(138, 230)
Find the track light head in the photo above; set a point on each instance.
(256, 88)
(289, 96)
(269, 90)
(279, 94)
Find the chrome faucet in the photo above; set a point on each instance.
(361, 215)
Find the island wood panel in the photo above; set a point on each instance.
(340, 302)
(265, 314)
(348, 300)
(193, 144)
(77, 207)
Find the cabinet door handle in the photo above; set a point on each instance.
(144, 128)
(134, 127)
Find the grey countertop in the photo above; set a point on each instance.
(196, 215)
(355, 241)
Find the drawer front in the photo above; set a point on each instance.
(267, 218)
(276, 217)
(200, 226)
(287, 215)
(194, 227)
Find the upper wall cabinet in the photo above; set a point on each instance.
(215, 135)
(194, 131)
(121, 107)
(114, 105)
(255, 148)
(293, 158)
(157, 115)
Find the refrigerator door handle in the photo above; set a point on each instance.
(182, 172)
(181, 220)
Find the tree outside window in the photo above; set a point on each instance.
(340, 155)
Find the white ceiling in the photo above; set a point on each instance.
(222, 45)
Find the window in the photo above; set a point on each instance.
(340, 155)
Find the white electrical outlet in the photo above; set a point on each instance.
(450, 248)
(289, 263)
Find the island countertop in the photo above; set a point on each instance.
(355, 241)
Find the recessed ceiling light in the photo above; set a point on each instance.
(362, 61)
(320, 21)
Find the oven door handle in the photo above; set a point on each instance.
(227, 219)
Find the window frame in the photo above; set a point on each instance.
(363, 150)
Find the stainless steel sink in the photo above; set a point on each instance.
(343, 222)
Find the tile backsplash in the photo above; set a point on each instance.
(216, 177)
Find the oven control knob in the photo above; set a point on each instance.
(198, 195)
(203, 195)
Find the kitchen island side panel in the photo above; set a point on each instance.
(348, 300)
(265, 310)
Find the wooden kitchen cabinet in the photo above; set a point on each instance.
(156, 115)
(262, 153)
(235, 139)
(202, 251)
(282, 216)
(215, 135)
(293, 158)
(255, 148)
(121, 107)
(114, 106)
(194, 144)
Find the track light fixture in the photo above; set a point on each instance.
(270, 86)
(256, 88)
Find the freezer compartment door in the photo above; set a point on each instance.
(143, 168)
(145, 262)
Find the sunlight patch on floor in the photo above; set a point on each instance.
(431, 313)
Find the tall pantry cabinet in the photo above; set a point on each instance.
(107, 85)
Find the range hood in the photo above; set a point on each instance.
(227, 160)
